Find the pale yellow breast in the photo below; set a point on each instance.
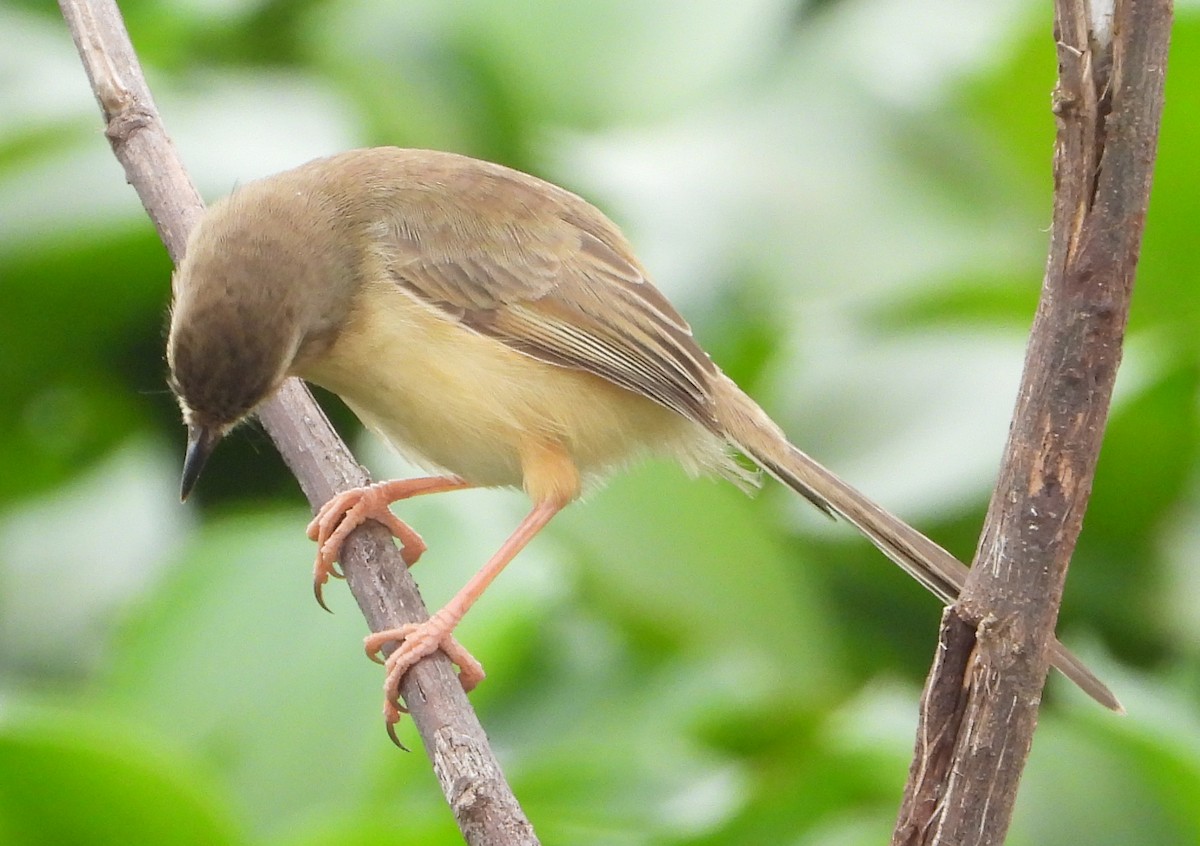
(457, 400)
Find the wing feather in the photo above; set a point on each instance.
(553, 279)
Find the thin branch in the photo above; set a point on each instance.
(470, 776)
(981, 701)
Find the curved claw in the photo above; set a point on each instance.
(391, 716)
(391, 733)
(322, 571)
(318, 592)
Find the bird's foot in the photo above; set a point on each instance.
(414, 642)
(348, 510)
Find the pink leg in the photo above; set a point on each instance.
(348, 510)
(417, 640)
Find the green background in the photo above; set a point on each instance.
(849, 199)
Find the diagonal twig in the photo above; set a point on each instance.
(467, 769)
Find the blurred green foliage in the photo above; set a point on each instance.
(849, 199)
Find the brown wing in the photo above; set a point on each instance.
(550, 276)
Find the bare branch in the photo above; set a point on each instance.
(981, 700)
(470, 776)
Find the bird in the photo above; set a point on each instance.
(496, 329)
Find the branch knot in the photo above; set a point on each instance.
(124, 123)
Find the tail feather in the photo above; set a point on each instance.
(752, 431)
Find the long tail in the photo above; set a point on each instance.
(750, 430)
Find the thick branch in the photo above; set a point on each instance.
(981, 701)
(482, 802)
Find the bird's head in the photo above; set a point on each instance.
(230, 344)
(265, 279)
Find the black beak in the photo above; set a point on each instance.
(202, 440)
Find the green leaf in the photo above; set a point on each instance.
(89, 782)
